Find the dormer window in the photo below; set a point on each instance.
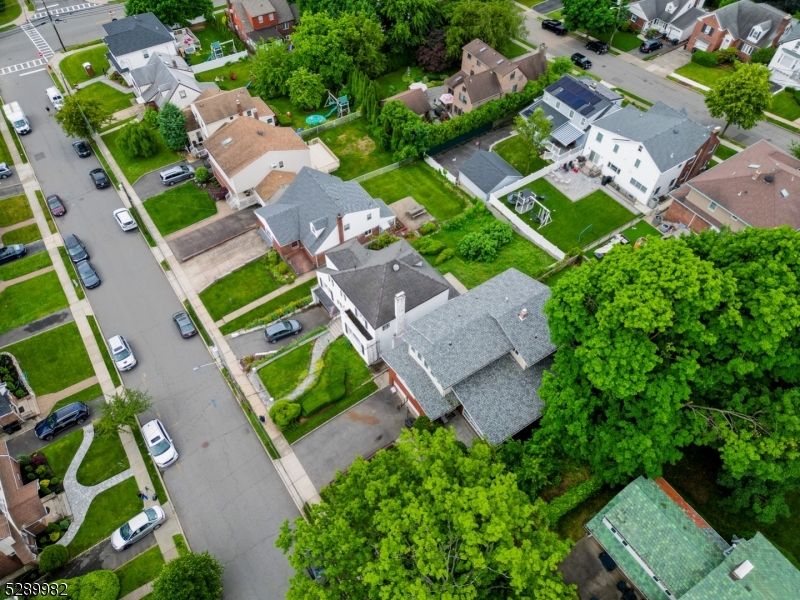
(755, 34)
(670, 8)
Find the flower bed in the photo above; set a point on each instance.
(10, 375)
(35, 466)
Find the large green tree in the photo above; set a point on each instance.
(427, 519)
(172, 12)
(272, 66)
(337, 7)
(408, 21)
(81, 117)
(492, 21)
(742, 97)
(172, 126)
(191, 576)
(534, 133)
(120, 411)
(138, 139)
(596, 16)
(306, 89)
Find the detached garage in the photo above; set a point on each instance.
(485, 172)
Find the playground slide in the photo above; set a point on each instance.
(333, 110)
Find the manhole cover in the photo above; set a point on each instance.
(39, 156)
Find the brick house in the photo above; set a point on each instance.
(256, 21)
(743, 25)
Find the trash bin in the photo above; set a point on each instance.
(89, 69)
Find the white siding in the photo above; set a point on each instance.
(471, 187)
(251, 175)
(134, 60)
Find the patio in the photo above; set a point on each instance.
(404, 208)
(579, 185)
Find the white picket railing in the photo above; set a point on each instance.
(386, 169)
(330, 124)
(218, 62)
(441, 169)
(525, 229)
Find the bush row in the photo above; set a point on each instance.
(572, 498)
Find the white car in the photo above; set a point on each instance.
(159, 443)
(138, 527)
(121, 353)
(124, 219)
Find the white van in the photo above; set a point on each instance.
(55, 97)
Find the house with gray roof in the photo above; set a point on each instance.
(676, 18)
(316, 212)
(133, 40)
(482, 354)
(667, 550)
(647, 154)
(378, 293)
(167, 78)
(484, 172)
(785, 65)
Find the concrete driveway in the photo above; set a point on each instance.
(455, 157)
(28, 443)
(359, 431)
(673, 60)
(222, 260)
(102, 556)
(11, 186)
(252, 343)
(149, 184)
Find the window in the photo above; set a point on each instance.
(616, 148)
(260, 19)
(271, 16)
(671, 183)
(734, 217)
(637, 163)
(558, 103)
(346, 226)
(471, 72)
(746, 48)
(513, 74)
(707, 29)
(713, 206)
(638, 185)
(369, 216)
(594, 157)
(755, 33)
(145, 53)
(514, 89)
(248, 113)
(614, 168)
(655, 191)
(385, 327)
(469, 56)
(463, 98)
(571, 113)
(633, 18)
(280, 164)
(639, 148)
(599, 137)
(477, 62)
(182, 94)
(583, 121)
(286, 26)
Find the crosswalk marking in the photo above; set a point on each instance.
(41, 44)
(38, 62)
(66, 9)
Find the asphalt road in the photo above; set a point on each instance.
(225, 490)
(252, 343)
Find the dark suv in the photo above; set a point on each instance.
(651, 46)
(69, 415)
(581, 61)
(599, 47)
(555, 26)
(99, 178)
(282, 329)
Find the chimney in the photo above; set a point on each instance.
(174, 64)
(340, 227)
(238, 106)
(755, 175)
(781, 28)
(741, 571)
(523, 313)
(400, 313)
(255, 113)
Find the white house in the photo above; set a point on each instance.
(676, 18)
(379, 293)
(647, 154)
(133, 40)
(785, 65)
(213, 108)
(167, 78)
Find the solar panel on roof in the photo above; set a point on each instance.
(567, 97)
(577, 103)
(595, 100)
(587, 109)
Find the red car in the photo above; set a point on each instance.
(56, 206)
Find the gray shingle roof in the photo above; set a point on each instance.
(689, 18)
(657, 9)
(792, 32)
(740, 17)
(579, 95)
(160, 75)
(135, 33)
(487, 170)
(413, 376)
(669, 136)
(556, 118)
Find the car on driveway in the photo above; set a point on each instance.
(121, 353)
(579, 60)
(82, 148)
(5, 170)
(75, 248)
(184, 324)
(176, 174)
(651, 46)
(281, 329)
(139, 526)
(100, 178)
(88, 274)
(56, 206)
(124, 219)
(66, 416)
(159, 443)
(597, 47)
(555, 26)
(12, 252)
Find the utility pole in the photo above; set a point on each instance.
(47, 10)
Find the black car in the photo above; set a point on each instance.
(555, 26)
(100, 178)
(12, 252)
(56, 206)
(82, 148)
(598, 47)
(184, 324)
(71, 414)
(88, 274)
(581, 61)
(75, 248)
(651, 46)
(282, 329)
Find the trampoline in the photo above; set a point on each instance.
(315, 120)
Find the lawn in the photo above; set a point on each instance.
(357, 150)
(53, 360)
(29, 300)
(326, 414)
(283, 376)
(48, 217)
(142, 569)
(23, 266)
(556, 277)
(14, 210)
(530, 3)
(108, 510)
(239, 68)
(72, 66)
(296, 293)
(282, 106)
(704, 75)
(513, 151)
(71, 273)
(151, 467)
(105, 458)
(641, 229)
(511, 49)
(238, 289)
(396, 81)
(570, 526)
(59, 453)
(623, 40)
(556, 14)
(107, 96)
(179, 207)
(101, 343)
(784, 105)
(91, 393)
(725, 152)
(133, 168)
(443, 200)
(12, 10)
(23, 235)
(5, 154)
(569, 218)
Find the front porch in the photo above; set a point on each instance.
(299, 261)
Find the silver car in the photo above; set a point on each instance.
(159, 443)
(121, 353)
(124, 219)
(138, 527)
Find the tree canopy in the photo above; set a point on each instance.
(137, 139)
(306, 89)
(408, 22)
(172, 12)
(172, 126)
(272, 66)
(742, 97)
(80, 117)
(534, 133)
(191, 576)
(597, 16)
(493, 21)
(121, 410)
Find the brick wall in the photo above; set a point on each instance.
(393, 380)
(714, 39)
(678, 213)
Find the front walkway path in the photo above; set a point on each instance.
(21, 224)
(21, 278)
(320, 345)
(48, 401)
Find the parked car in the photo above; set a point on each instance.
(598, 47)
(184, 324)
(124, 219)
(66, 416)
(5, 170)
(75, 248)
(82, 148)
(56, 206)
(176, 174)
(12, 252)
(581, 61)
(88, 274)
(159, 443)
(100, 178)
(121, 353)
(281, 329)
(139, 526)
(555, 26)
(651, 46)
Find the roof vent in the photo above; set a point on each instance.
(753, 166)
(755, 175)
(459, 78)
(523, 313)
(784, 193)
(227, 141)
(259, 132)
(742, 570)
(500, 62)
(450, 343)
(482, 49)
(675, 131)
(769, 178)
(395, 267)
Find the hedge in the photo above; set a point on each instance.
(572, 498)
(705, 59)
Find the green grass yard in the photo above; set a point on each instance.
(5, 154)
(322, 416)
(443, 200)
(242, 70)
(60, 453)
(14, 210)
(623, 41)
(704, 75)
(282, 106)
(357, 150)
(101, 343)
(238, 289)
(784, 105)
(134, 167)
(142, 569)
(106, 95)
(105, 458)
(396, 81)
(556, 277)
(514, 153)
(296, 293)
(29, 300)
(511, 49)
(72, 66)
(11, 11)
(179, 207)
(725, 152)
(284, 375)
(91, 393)
(22, 235)
(23, 266)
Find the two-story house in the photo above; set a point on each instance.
(482, 354)
(572, 105)
(758, 187)
(256, 21)
(167, 78)
(315, 212)
(647, 154)
(743, 25)
(379, 293)
(211, 109)
(785, 65)
(133, 40)
(487, 75)
(676, 18)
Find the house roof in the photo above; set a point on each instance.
(579, 95)
(163, 75)
(258, 7)
(668, 135)
(284, 12)
(415, 100)
(689, 18)
(250, 139)
(740, 17)
(191, 121)
(216, 107)
(532, 66)
(791, 33)
(22, 500)
(756, 201)
(657, 9)
(487, 170)
(557, 119)
(272, 183)
(489, 57)
(413, 376)
(138, 32)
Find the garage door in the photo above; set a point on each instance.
(700, 45)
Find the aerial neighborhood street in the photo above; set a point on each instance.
(449, 299)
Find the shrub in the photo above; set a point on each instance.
(478, 247)
(99, 585)
(64, 525)
(29, 468)
(430, 247)
(705, 59)
(55, 481)
(31, 476)
(42, 471)
(763, 56)
(272, 257)
(37, 460)
(52, 558)
(444, 255)
(651, 33)
(500, 232)
(571, 498)
(283, 268)
(201, 175)
(138, 140)
(54, 536)
(455, 223)
(476, 211)
(45, 490)
(726, 56)
(428, 228)
(25, 459)
(284, 413)
(625, 26)
(151, 117)
(382, 241)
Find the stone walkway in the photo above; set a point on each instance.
(264, 299)
(320, 345)
(21, 278)
(81, 496)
